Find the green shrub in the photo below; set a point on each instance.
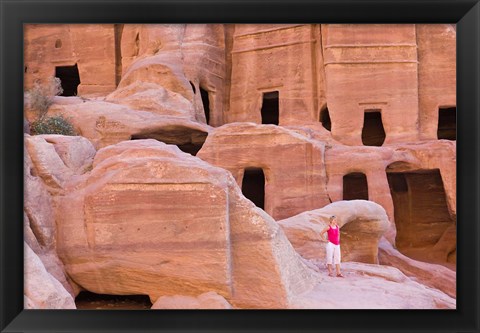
(52, 125)
(41, 96)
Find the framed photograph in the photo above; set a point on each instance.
(239, 166)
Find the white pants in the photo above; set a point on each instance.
(333, 253)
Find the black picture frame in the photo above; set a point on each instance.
(15, 13)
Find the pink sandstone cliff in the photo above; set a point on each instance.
(286, 124)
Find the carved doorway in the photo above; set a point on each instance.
(373, 133)
(70, 79)
(355, 186)
(270, 108)
(425, 229)
(447, 123)
(253, 186)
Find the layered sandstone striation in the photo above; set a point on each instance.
(288, 123)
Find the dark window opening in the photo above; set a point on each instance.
(25, 69)
(58, 44)
(193, 87)
(88, 300)
(373, 133)
(447, 123)
(355, 186)
(206, 104)
(253, 186)
(270, 108)
(397, 182)
(325, 119)
(188, 142)
(70, 79)
(422, 218)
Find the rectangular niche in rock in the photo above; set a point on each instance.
(447, 123)
(355, 186)
(325, 119)
(270, 108)
(70, 79)
(206, 103)
(373, 133)
(253, 186)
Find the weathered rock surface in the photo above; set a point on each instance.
(436, 76)
(39, 208)
(204, 63)
(187, 231)
(76, 152)
(368, 286)
(42, 290)
(47, 164)
(156, 84)
(362, 224)
(432, 275)
(154, 98)
(210, 300)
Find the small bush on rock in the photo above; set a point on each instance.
(52, 125)
(40, 99)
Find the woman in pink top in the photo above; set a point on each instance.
(333, 246)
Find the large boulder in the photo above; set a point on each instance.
(149, 219)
